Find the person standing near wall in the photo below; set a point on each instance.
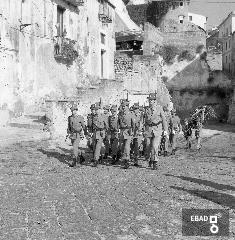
(99, 127)
(137, 135)
(155, 123)
(125, 120)
(114, 132)
(75, 130)
(106, 109)
(174, 129)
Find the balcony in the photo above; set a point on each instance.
(104, 13)
(76, 3)
(64, 50)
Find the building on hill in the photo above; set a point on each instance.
(213, 43)
(226, 30)
(227, 36)
(52, 47)
(198, 20)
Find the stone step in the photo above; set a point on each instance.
(24, 122)
(35, 116)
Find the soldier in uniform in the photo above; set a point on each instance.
(114, 131)
(99, 127)
(75, 129)
(200, 117)
(165, 139)
(137, 134)
(155, 122)
(125, 121)
(174, 129)
(90, 127)
(106, 109)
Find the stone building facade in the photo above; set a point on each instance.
(227, 36)
(51, 48)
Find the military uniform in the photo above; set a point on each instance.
(137, 134)
(125, 121)
(75, 129)
(174, 129)
(155, 122)
(114, 132)
(107, 133)
(198, 129)
(99, 128)
(164, 138)
(90, 127)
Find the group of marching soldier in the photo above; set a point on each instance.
(126, 132)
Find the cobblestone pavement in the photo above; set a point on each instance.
(43, 198)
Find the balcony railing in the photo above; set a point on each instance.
(76, 2)
(104, 13)
(64, 49)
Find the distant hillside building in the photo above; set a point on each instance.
(227, 36)
(226, 30)
(198, 20)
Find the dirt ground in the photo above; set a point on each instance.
(43, 198)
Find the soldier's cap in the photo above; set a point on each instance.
(124, 102)
(92, 106)
(106, 107)
(152, 96)
(136, 106)
(74, 107)
(114, 107)
(97, 106)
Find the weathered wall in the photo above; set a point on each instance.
(186, 101)
(143, 75)
(30, 72)
(185, 40)
(153, 39)
(231, 117)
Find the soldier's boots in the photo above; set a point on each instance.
(82, 159)
(95, 163)
(155, 165)
(73, 164)
(136, 164)
(126, 164)
(114, 159)
(101, 159)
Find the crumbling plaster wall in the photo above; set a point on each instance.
(31, 72)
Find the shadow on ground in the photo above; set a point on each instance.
(222, 199)
(221, 127)
(217, 186)
(63, 158)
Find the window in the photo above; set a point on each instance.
(181, 18)
(190, 18)
(181, 4)
(60, 20)
(102, 37)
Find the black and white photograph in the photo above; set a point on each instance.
(117, 119)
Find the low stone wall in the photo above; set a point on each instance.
(186, 100)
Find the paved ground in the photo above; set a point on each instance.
(42, 198)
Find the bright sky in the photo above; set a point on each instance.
(215, 12)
